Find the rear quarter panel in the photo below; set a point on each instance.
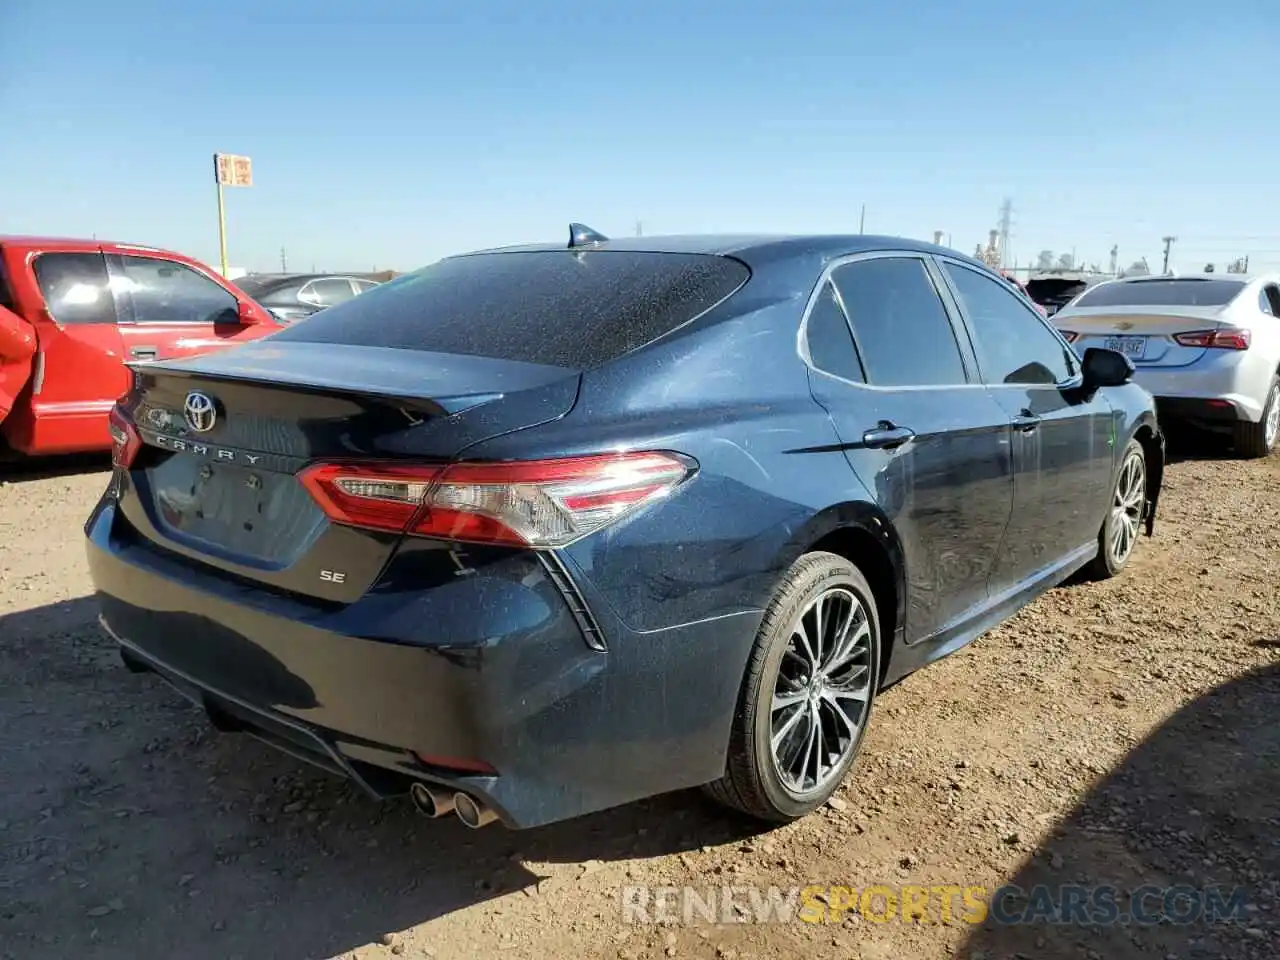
(733, 395)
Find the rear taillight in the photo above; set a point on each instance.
(535, 503)
(125, 441)
(1225, 338)
(1069, 335)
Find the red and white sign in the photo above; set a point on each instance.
(232, 171)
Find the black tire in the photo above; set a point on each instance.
(752, 783)
(1251, 438)
(1110, 560)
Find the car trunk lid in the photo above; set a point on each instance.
(1144, 335)
(225, 436)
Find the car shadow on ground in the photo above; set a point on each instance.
(1183, 444)
(30, 469)
(1193, 806)
(132, 829)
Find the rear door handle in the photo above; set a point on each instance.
(1026, 421)
(144, 353)
(886, 436)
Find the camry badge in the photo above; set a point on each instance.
(200, 412)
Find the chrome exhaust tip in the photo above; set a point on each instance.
(429, 802)
(472, 812)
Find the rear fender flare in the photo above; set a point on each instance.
(866, 518)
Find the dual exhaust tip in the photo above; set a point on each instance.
(434, 802)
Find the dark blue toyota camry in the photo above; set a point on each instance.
(537, 531)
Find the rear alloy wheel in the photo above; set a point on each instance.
(807, 694)
(1259, 439)
(1120, 529)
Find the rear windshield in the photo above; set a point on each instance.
(253, 285)
(568, 308)
(1163, 293)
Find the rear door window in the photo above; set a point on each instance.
(570, 308)
(903, 331)
(1013, 344)
(161, 291)
(75, 287)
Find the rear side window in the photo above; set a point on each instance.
(573, 309)
(903, 332)
(1269, 300)
(1175, 292)
(75, 287)
(830, 343)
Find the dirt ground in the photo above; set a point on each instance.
(1123, 733)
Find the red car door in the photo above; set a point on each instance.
(78, 371)
(17, 347)
(169, 308)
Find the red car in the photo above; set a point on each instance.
(74, 312)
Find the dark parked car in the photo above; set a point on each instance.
(292, 296)
(538, 531)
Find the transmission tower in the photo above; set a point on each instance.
(1006, 229)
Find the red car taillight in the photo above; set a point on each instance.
(1069, 335)
(125, 441)
(1225, 338)
(534, 503)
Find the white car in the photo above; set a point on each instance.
(1207, 347)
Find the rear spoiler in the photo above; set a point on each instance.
(415, 376)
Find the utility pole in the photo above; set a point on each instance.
(937, 238)
(1006, 228)
(1115, 258)
(639, 229)
(862, 219)
(1168, 243)
(284, 264)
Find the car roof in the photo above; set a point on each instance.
(1242, 278)
(30, 240)
(749, 247)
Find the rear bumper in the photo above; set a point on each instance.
(1219, 387)
(493, 668)
(1195, 410)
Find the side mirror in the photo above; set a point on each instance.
(246, 314)
(1105, 368)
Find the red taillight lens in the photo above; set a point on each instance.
(125, 441)
(1224, 338)
(536, 503)
(1069, 335)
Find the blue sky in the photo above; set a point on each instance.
(388, 134)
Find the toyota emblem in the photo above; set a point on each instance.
(200, 412)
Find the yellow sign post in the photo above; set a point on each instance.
(229, 170)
